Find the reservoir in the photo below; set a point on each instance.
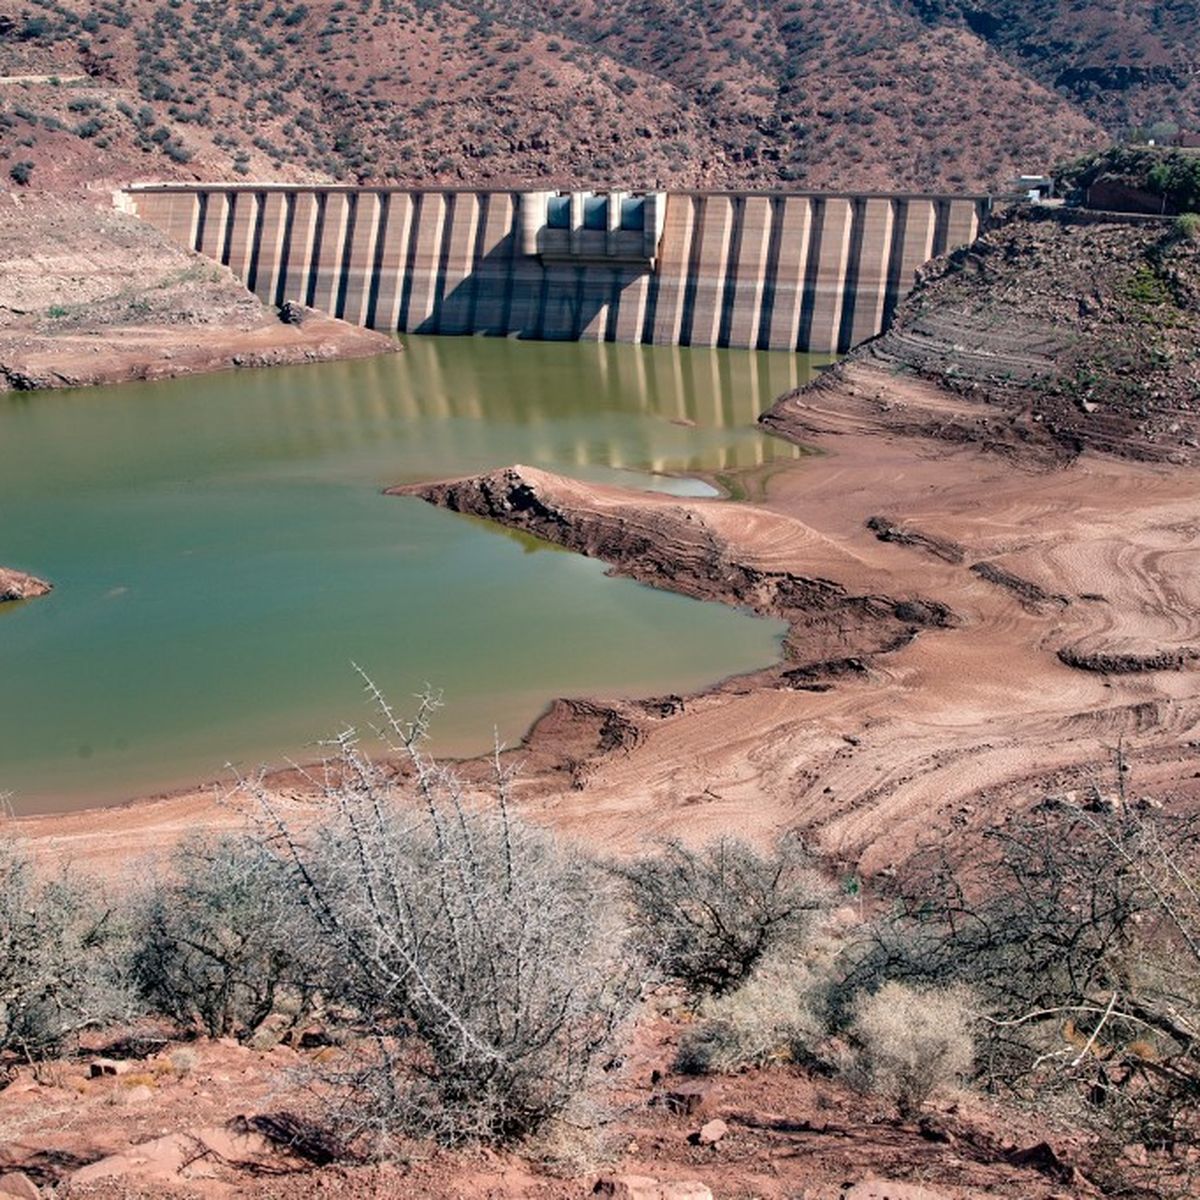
(221, 552)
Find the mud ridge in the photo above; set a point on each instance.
(886, 530)
(1107, 663)
(678, 545)
(1031, 594)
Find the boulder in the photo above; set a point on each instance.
(644, 1187)
(890, 1189)
(195, 1155)
(161, 1158)
(710, 1133)
(107, 1066)
(16, 1185)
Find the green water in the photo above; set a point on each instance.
(221, 551)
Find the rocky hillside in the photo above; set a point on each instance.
(1052, 334)
(1128, 65)
(864, 93)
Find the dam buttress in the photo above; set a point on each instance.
(817, 272)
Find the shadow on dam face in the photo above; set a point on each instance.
(817, 272)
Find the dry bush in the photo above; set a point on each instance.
(183, 1060)
(777, 1015)
(219, 944)
(1079, 930)
(479, 959)
(1186, 227)
(912, 1041)
(59, 966)
(708, 916)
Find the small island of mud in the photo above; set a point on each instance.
(16, 585)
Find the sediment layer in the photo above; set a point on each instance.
(1053, 334)
(93, 297)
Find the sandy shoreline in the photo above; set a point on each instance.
(878, 732)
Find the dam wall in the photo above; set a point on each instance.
(817, 272)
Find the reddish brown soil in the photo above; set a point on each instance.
(1126, 65)
(214, 1119)
(862, 94)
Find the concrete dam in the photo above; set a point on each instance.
(816, 272)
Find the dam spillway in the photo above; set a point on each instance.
(817, 272)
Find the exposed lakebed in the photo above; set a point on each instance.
(221, 551)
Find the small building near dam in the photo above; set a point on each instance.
(808, 271)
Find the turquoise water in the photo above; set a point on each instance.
(221, 551)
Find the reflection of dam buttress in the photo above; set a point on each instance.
(778, 271)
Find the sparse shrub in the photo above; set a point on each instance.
(1186, 227)
(217, 945)
(183, 1060)
(775, 1016)
(912, 1041)
(57, 966)
(1078, 927)
(21, 172)
(482, 960)
(176, 151)
(708, 916)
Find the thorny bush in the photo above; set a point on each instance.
(479, 957)
(707, 916)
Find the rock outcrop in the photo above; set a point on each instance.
(16, 585)
(1055, 333)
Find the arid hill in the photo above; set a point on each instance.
(98, 297)
(865, 93)
(1127, 65)
(1053, 333)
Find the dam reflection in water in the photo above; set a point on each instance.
(459, 391)
(221, 551)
